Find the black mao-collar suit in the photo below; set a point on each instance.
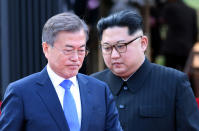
(155, 98)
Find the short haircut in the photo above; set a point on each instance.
(125, 18)
(62, 22)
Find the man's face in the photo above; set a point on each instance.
(66, 56)
(126, 63)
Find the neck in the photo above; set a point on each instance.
(125, 78)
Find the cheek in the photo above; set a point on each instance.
(58, 60)
(129, 57)
(107, 59)
(132, 52)
(81, 59)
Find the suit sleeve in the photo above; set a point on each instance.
(112, 117)
(11, 118)
(187, 113)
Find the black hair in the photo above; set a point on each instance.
(125, 18)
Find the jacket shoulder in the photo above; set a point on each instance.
(92, 80)
(26, 80)
(102, 75)
(166, 71)
(23, 83)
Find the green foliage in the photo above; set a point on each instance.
(193, 3)
(160, 60)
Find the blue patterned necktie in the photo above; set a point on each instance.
(69, 107)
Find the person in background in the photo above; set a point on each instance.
(59, 98)
(149, 97)
(197, 100)
(180, 22)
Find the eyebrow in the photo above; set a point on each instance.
(117, 42)
(84, 45)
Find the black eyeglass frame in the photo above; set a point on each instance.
(116, 48)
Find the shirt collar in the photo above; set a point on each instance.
(134, 82)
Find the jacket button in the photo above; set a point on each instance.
(121, 106)
(125, 88)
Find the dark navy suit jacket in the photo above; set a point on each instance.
(156, 98)
(32, 104)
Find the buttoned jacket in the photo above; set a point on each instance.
(155, 98)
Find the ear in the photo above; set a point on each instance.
(45, 47)
(144, 43)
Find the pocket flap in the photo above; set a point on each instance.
(152, 111)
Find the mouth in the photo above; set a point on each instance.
(73, 66)
(116, 64)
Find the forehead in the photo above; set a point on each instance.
(71, 38)
(116, 33)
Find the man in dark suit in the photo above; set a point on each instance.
(149, 97)
(181, 22)
(59, 98)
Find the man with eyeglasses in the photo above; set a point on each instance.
(59, 98)
(149, 97)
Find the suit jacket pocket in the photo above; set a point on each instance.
(152, 111)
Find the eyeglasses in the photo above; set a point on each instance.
(120, 47)
(80, 52)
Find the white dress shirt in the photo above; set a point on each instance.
(56, 80)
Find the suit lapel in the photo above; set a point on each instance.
(85, 95)
(49, 97)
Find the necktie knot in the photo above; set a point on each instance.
(66, 84)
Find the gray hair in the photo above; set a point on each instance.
(62, 22)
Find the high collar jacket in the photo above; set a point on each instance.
(154, 98)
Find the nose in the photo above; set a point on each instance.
(115, 54)
(75, 56)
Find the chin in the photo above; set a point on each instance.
(118, 73)
(69, 74)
